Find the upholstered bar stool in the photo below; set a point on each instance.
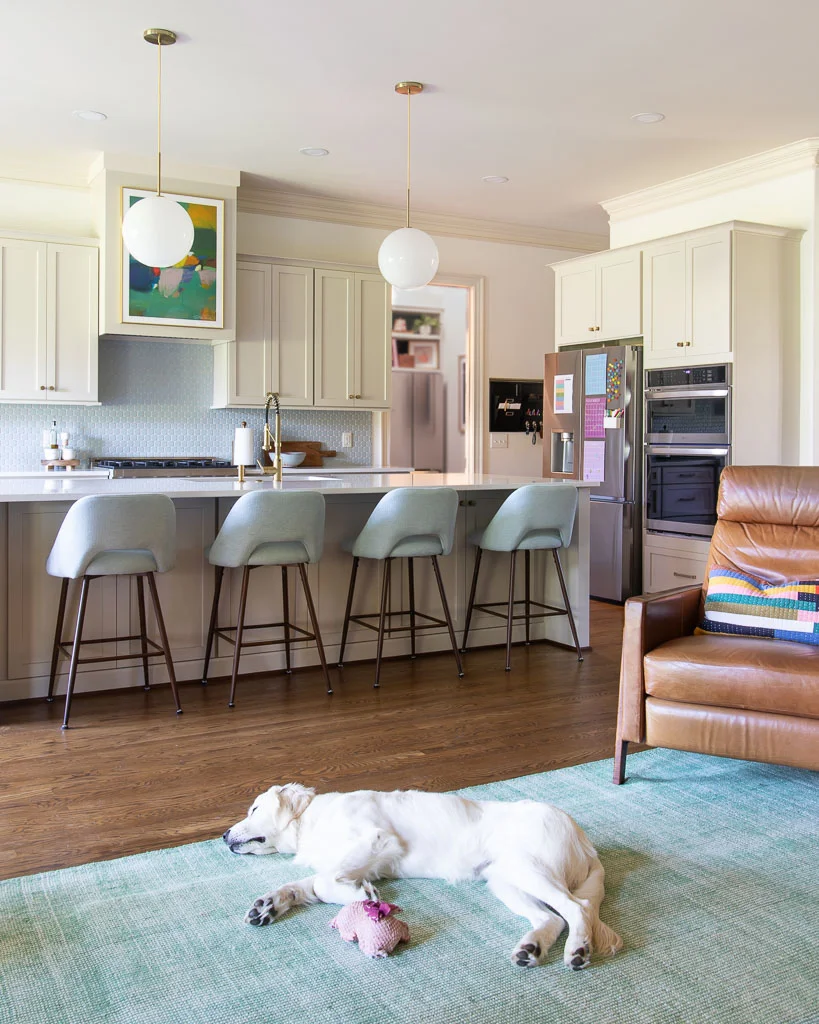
(113, 535)
(406, 523)
(537, 517)
(268, 528)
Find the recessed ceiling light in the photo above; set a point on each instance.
(495, 179)
(314, 151)
(90, 115)
(648, 118)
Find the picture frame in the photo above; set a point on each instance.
(462, 393)
(425, 354)
(190, 294)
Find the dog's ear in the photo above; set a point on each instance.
(295, 798)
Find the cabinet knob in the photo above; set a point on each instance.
(680, 344)
(351, 396)
(51, 387)
(591, 328)
(597, 328)
(42, 387)
(358, 396)
(688, 344)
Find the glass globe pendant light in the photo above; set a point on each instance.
(408, 258)
(157, 231)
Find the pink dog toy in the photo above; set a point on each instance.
(372, 926)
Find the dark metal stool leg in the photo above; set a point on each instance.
(620, 753)
(478, 554)
(214, 612)
(411, 576)
(75, 649)
(510, 611)
(143, 633)
(240, 625)
(349, 608)
(528, 602)
(447, 616)
(58, 636)
(286, 616)
(163, 639)
(559, 568)
(314, 625)
(385, 586)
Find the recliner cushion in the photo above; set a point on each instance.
(755, 675)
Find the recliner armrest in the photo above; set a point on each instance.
(650, 620)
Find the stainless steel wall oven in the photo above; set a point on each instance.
(687, 446)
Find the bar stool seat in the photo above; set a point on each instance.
(406, 523)
(113, 535)
(268, 528)
(536, 517)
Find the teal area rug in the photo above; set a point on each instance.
(711, 880)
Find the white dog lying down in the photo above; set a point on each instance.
(532, 855)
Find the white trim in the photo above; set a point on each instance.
(276, 203)
(773, 163)
(33, 236)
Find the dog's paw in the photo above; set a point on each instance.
(578, 958)
(262, 912)
(371, 891)
(527, 954)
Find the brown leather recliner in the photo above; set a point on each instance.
(741, 697)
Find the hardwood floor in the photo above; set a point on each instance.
(131, 776)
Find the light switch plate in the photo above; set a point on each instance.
(498, 440)
(347, 439)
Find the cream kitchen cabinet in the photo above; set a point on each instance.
(352, 350)
(273, 350)
(687, 298)
(48, 322)
(598, 297)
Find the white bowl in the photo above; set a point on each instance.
(291, 459)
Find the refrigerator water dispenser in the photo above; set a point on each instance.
(563, 452)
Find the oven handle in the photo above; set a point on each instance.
(674, 394)
(678, 449)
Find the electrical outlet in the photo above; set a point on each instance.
(347, 439)
(498, 440)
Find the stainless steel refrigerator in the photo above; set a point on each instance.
(417, 420)
(592, 430)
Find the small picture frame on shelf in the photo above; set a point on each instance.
(425, 354)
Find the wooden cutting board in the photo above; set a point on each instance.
(314, 454)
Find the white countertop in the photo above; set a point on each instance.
(70, 486)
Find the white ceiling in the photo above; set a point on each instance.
(539, 91)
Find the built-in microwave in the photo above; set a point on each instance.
(688, 405)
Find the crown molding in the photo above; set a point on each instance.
(773, 163)
(277, 203)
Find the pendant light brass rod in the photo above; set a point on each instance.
(409, 101)
(159, 117)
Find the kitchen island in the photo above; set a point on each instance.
(32, 510)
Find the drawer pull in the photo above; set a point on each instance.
(685, 575)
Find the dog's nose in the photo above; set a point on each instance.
(225, 836)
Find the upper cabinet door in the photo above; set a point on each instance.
(23, 327)
(619, 295)
(72, 323)
(709, 289)
(250, 357)
(373, 374)
(292, 334)
(334, 333)
(664, 301)
(576, 303)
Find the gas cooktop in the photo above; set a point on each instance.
(171, 466)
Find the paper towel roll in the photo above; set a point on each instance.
(244, 447)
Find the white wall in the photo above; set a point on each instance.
(453, 302)
(519, 296)
(790, 201)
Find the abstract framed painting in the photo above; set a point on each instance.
(190, 293)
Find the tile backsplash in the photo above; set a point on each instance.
(156, 401)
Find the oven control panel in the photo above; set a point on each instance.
(689, 376)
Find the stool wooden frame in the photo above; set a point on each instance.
(235, 634)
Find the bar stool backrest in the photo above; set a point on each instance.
(114, 522)
(532, 509)
(270, 517)
(407, 513)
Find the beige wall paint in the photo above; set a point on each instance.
(790, 201)
(519, 295)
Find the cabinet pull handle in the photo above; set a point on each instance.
(685, 575)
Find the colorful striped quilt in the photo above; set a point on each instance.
(741, 605)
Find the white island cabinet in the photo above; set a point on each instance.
(34, 509)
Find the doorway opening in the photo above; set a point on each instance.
(436, 354)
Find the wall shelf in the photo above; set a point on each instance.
(411, 336)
